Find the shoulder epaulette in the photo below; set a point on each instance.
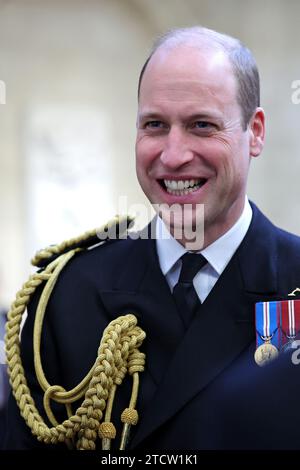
(115, 228)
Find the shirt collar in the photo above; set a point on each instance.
(218, 254)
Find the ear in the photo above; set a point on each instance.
(257, 132)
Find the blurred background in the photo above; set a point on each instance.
(67, 129)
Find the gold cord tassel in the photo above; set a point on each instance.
(118, 354)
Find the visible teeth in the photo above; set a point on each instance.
(184, 191)
(183, 187)
(179, 185)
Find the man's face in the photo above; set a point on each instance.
(190, 146)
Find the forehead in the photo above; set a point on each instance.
(187, 75)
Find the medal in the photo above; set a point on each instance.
(290, 322)
(265, 353)
(267, 315)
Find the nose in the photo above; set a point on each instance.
(175, 152)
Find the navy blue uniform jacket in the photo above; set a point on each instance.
(201, 388)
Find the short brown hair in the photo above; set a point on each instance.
(243, 63)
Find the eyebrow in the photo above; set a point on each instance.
(205, 117)
(202, 116)
(149, 115)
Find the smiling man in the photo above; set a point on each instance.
(194, 140)
(212, 313)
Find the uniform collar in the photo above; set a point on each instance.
(218, 254)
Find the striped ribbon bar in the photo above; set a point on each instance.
(268, 321)
(290, 320)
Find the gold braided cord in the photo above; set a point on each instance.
(107, 430)
(118, 354)
(117, 226)
(129, 416)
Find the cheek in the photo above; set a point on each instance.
(235, 170)
(218, 156)
(143, 162)
(146, 152)
(140, 154)
(228, 167)
(233, 154)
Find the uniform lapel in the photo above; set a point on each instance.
(139, 287)
(223, 328)
(178, 364)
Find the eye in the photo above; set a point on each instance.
(203, 128)
(202, 125)
(154, 125)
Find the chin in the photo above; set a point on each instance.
(185, 226)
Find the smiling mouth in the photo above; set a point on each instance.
(182, 187)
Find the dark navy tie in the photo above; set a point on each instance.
(184, 293)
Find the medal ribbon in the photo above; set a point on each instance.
(290, 318)
(267, 316)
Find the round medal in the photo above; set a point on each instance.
(289, 346)
(265, 353)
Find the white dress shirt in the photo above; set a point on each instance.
(218, 254)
